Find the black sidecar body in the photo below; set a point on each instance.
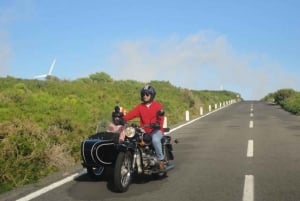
(99, 149)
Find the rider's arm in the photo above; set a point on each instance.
(132, 114)
(160, 118)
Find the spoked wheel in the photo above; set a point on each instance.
(95, 172)
(122, 172)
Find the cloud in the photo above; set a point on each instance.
(4, 45)
(204, 60)
(13, 12)
(16, 10)
(4, 55)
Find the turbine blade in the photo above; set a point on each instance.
(52, 67)
(40, 76)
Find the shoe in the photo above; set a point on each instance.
(162, 166)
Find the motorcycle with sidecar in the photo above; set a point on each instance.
(130, 158)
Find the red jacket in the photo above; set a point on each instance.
(147, 115)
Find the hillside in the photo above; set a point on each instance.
(42, 122)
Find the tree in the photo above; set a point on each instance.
(101, 77)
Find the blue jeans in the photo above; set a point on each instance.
(156, 141)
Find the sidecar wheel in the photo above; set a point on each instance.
(158, 176)
(95, 172)
(122, 171)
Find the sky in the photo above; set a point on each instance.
(248, 47)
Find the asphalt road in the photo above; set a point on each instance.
(247, 151)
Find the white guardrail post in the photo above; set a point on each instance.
(201, 110)
(165, 123)
(187, 115)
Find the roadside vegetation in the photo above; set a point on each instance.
(42, 122)
(288, 99)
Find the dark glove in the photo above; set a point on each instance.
(160, 113)
(155, 125)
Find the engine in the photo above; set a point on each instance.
(148, 157)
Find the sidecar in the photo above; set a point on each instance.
(98, 152)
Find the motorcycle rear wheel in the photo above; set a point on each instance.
(122, 171)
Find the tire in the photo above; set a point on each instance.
(122, 171)
(95, 173)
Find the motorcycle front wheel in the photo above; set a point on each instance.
(122, 171)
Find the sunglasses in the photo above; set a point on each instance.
(146, 94)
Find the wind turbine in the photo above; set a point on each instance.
(49, 73)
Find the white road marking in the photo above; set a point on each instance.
(248, 194)
(51, 187)
(250, 148)
(251, 124)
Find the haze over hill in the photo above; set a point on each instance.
(203, 60)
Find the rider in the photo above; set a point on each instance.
(117, 125)
(147, 112)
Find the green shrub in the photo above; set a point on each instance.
(282, 95)
(288, 99)
(292, 104)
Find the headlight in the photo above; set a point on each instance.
(129, 132)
